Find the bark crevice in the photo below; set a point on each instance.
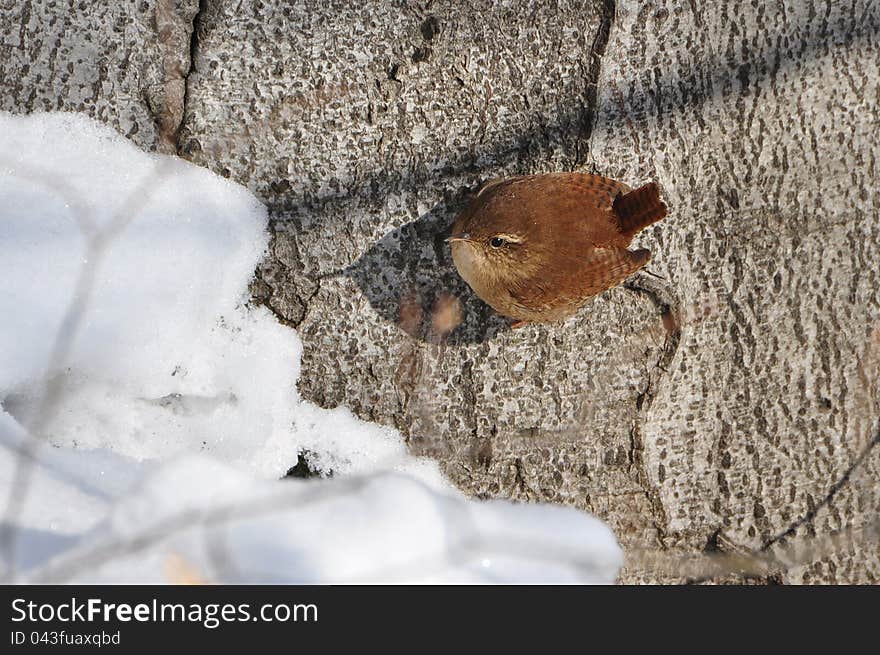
(193, 52)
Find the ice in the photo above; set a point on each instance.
(157, 396)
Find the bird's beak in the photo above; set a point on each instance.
(461, 236)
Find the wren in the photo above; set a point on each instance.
(537, 247)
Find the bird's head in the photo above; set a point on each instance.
(494, 237)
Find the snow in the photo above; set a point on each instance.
(378, 528)
(161, 399)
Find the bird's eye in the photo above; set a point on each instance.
(496, 242)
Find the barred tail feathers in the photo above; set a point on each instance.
(638, 209)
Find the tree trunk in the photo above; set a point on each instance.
(730, 406)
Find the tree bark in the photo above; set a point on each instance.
(729, 407)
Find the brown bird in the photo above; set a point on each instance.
(537, 247)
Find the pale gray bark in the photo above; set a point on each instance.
(761, 122)
(720, 408)
(124, 63)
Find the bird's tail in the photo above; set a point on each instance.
(639, 208)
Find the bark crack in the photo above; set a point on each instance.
(597, 52)
(176, 28)
(668, 309)
(196, 24)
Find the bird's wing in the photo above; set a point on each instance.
(598, 270)
(604, 267)
(580, 207)
(593, 191)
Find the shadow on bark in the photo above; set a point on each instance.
(413, 259)
(410, 280)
